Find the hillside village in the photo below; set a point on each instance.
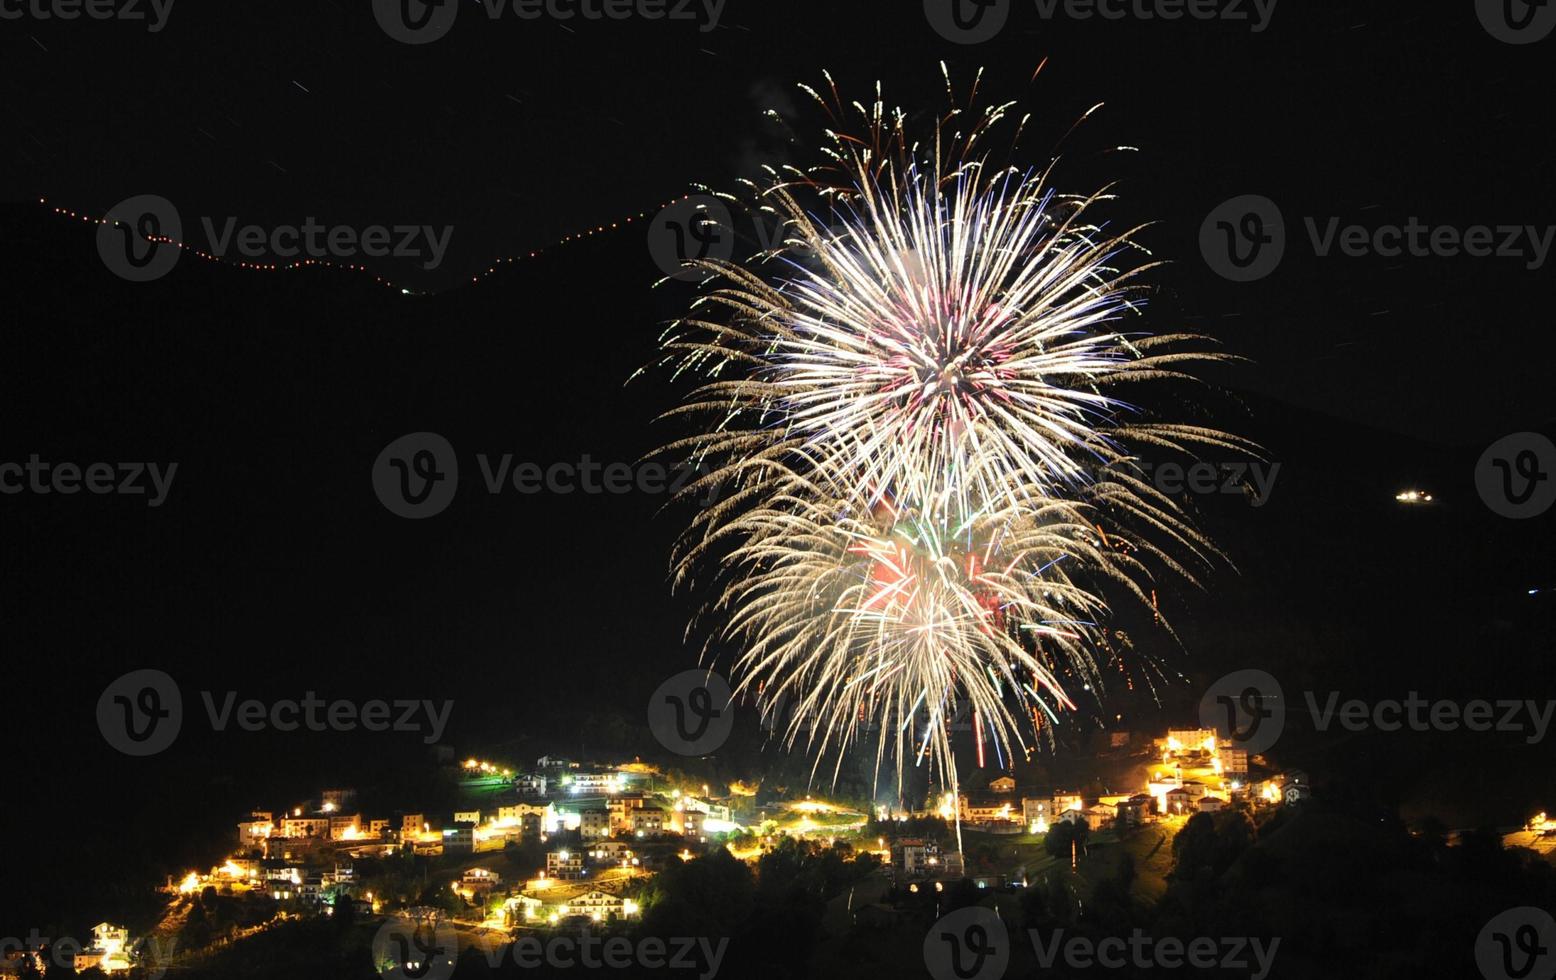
(564, 844)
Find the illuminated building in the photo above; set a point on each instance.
(1133, 811)
(687, 822)
(255, 831)
(1233, 762)
(346, 827)
(621, 809)
(564, 865)
(331, 800)
(648, 821)
(531, 819)
(1037, 810)
(109, 949)
(1295, 787)
(459, 840)
(913, 857)
(595, 783)
(530, 784)
(594, 823)
(477, 881)
(599, 906)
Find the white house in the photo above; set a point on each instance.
(599, 906)
(565, 865)
(594, 824)
(648, 821)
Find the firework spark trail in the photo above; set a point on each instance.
(864, 619)
(913, 408)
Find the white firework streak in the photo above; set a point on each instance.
(950, 349)
(879, 622)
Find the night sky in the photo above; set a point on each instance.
(272, 568)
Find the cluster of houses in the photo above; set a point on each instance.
(1002, 812)
(1196, 774)
(109, 952)
(597, 804)
(598, 820)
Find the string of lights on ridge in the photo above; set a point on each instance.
(353, 267)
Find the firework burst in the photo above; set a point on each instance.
(914, 407)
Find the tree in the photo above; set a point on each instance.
(345, 912)
(1063, 834)
(1194, 846)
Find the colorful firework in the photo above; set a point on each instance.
(913, 408)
